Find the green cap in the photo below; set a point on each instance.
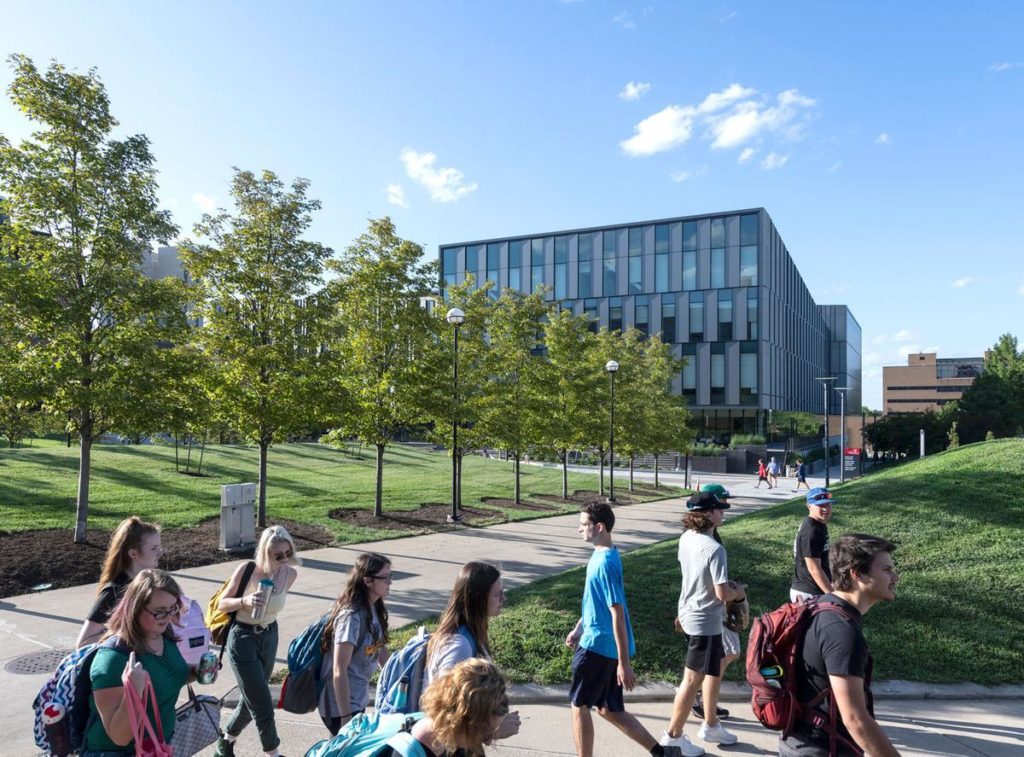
(717, 489)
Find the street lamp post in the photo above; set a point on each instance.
(611, 366)
(842, 432)
(825, 381)
(455, 317)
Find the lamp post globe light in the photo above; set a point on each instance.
(842, 432)
(612, 367)
(825, 382)
(455, 317)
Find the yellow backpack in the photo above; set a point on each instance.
(217, 621)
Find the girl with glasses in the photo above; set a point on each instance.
(143, 646)
(252, 640)
(355, 640)
(134, 546)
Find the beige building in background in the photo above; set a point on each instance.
(927, 382)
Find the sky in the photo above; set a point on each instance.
(884, 139)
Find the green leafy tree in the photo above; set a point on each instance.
(385, 338)
(263, 320)
(994, 402)
(82, 208)
(667, 422)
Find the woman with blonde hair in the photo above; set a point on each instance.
(252, 640)
(134, 546)
(355, 640)
(143, 647)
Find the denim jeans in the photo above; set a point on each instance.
(251, 656)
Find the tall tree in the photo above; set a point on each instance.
(995, 400)
(385, 337)
(263, 317)
(82, 208)
(666, 420)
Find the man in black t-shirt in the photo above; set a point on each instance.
(811, 575)
(834, 654)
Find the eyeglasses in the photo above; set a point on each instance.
(386, 579)
(162, 614)
(281, 556)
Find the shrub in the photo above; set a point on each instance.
(742, 440)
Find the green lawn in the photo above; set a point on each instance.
(304, 483)
(958, 518)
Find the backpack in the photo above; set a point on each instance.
(408, 665)
(300, 691)
(193, 635)
(369, 735)
(69, 687)
(772, 651)
(217, 621)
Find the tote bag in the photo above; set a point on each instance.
(197, 726)
(149, 741)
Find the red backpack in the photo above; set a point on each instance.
(775, 641)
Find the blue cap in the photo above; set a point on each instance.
(820, 496)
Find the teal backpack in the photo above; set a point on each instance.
(369, 735)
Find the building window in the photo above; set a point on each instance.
(689, 235)
(561, 267)
(449, 265)
(661, 238)
(748, 229)
(718, 232)
(615, 314)
(586, 278)
(473, 253)
(635, 242)
(717, 268)
(748, 266)
(668, 320)
(642, 315)
(493, 263)
(536, 264)
(608, 244)
(690, 373)
(696, 317)
(689, 271)
(748, 373)
(590, 312)
(635, 275)
(610, 277)
(515, 265)
(725, 315)
(752, 314)
(717, 373)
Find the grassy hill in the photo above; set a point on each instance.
(958, 518)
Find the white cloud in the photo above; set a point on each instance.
(903, 335)
(747, 154)
(680, 176)
(1005, 66)
(664, 130)
(962, 282)
(625, 20)
(835, 166)
(718, 100)
(723, 17)
(883, 139)
(443, 184)
(206, 203)
(750, 118)
(634, 90)
(773, 160)
(396, 195)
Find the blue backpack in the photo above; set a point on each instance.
(408, 666)
(300, 692)
(370, 735)
(69, 687)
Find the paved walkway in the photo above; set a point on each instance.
(424, 568)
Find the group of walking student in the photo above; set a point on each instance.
(464, 701)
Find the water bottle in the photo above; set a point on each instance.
(266, 587)
(55, 723)
(207, 672)
(402, 695)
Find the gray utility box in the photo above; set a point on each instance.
(237, 517)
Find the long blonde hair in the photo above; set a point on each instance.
(461, 703)
(124, 621)
(127, 536)
(272, 535)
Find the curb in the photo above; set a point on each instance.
(732, 691)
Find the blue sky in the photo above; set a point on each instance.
(884, 139)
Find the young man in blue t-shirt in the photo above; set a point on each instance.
(603, 642)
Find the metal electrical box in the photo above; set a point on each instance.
(237, 517)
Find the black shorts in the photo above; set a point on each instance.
(704, 654)
(595, 681)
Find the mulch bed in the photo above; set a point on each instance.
(430, 516)
(50, 556)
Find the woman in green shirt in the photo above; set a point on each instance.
(145, 648)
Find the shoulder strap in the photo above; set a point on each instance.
(246, 575)
(406, 745)
(465, 633)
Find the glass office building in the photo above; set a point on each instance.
(720, 288)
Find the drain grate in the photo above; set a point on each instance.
(37, 662)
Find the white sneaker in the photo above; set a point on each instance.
(718, 734)
(679, 745)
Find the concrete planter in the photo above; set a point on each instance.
(708, 464)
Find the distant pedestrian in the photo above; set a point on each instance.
(801, 475)
(602, 640)
(833, 661)
(773, 471)
(762, 474)
(811, 574)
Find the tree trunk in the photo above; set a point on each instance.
(516, 491)
(600, 455)
(378, 497)
(631, 459)
(655, 471)
(188, 454)
(458, 487)
(84, 463)
(202, 451)
(261, 510)
(565, 474)
(177, 465)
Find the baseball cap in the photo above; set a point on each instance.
(705, 501)
(717, 489)
(820, 496)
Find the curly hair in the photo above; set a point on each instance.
(600, 512)
(854, 553)
(355, 594)
(467, 606)
(461, 703)
(124, 621)
(698, 520)
(127, 536)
